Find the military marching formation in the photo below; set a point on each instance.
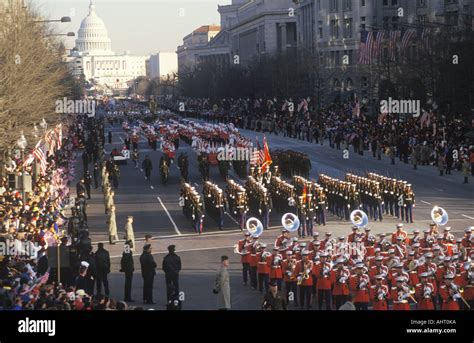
(214, 203)
(375, 194)
(398, 271)
(193, 209)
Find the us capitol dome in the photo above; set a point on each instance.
(93, 38)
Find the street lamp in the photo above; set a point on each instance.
(22, 143)
(62, 20)
(69, 34)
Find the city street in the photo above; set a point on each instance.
(156, 211)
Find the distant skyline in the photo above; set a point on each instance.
(142, 27)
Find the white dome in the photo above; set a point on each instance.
(93, 38)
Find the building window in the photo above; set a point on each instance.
(318, 5)
(333, 5)
(385, 2)
(362, 3)
(348, 28)
(421, 3)
(348, 5)
(394, 2)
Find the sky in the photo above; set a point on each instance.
(139, 26)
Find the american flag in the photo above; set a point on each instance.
(38, 151)
(367, 45)
(50, 139)
(258, 154)
(407, 38)
(378, 51)
(392, 45)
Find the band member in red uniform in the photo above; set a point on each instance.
(283, 242)
(378, 269)
(322, 270)
(467, 282)
(327, 241)
(380, 293)
(304, 268)
(263, 269)
(425, 293)
(253, 263)
(289, 277)
(400, 295)
(276, 273)
(355, 232)
(360, 285)
(450, 294)
(399, 233)
(340, 281)
(244, 247)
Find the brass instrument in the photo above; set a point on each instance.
(456, 293)
(305, 274)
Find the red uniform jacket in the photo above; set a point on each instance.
(263, 264)
(449, 304)
(468, 285)
(244, 249)
(360, 295)
(299, 271)
(338, 287)
(322, 273)
(275, 268)
(424, 303)
(398, 305)
(285, 269)
(380, 304)
(401, 233)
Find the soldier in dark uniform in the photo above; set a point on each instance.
(408, 203)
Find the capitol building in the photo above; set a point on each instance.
(93, 56)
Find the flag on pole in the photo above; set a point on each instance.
(304, 195)
(40, 155)
(267, 159)
(50, 139)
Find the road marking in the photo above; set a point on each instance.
(121, 139)
(195, 184)
(184, 250)
(169, 216)
(152, 187)
(425, 202)
(467, 216)
(439, 189)
(233, 219)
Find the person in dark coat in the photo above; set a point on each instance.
(147, 166)
(148, 266)
(85, 160)
(102, 261)
(96, 175)
(127, 267)
(91, 271)
(273, 300)
(171, 266)
(81, 187)
(110, 137)
(87, 183)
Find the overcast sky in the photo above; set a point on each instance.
(141, 26)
